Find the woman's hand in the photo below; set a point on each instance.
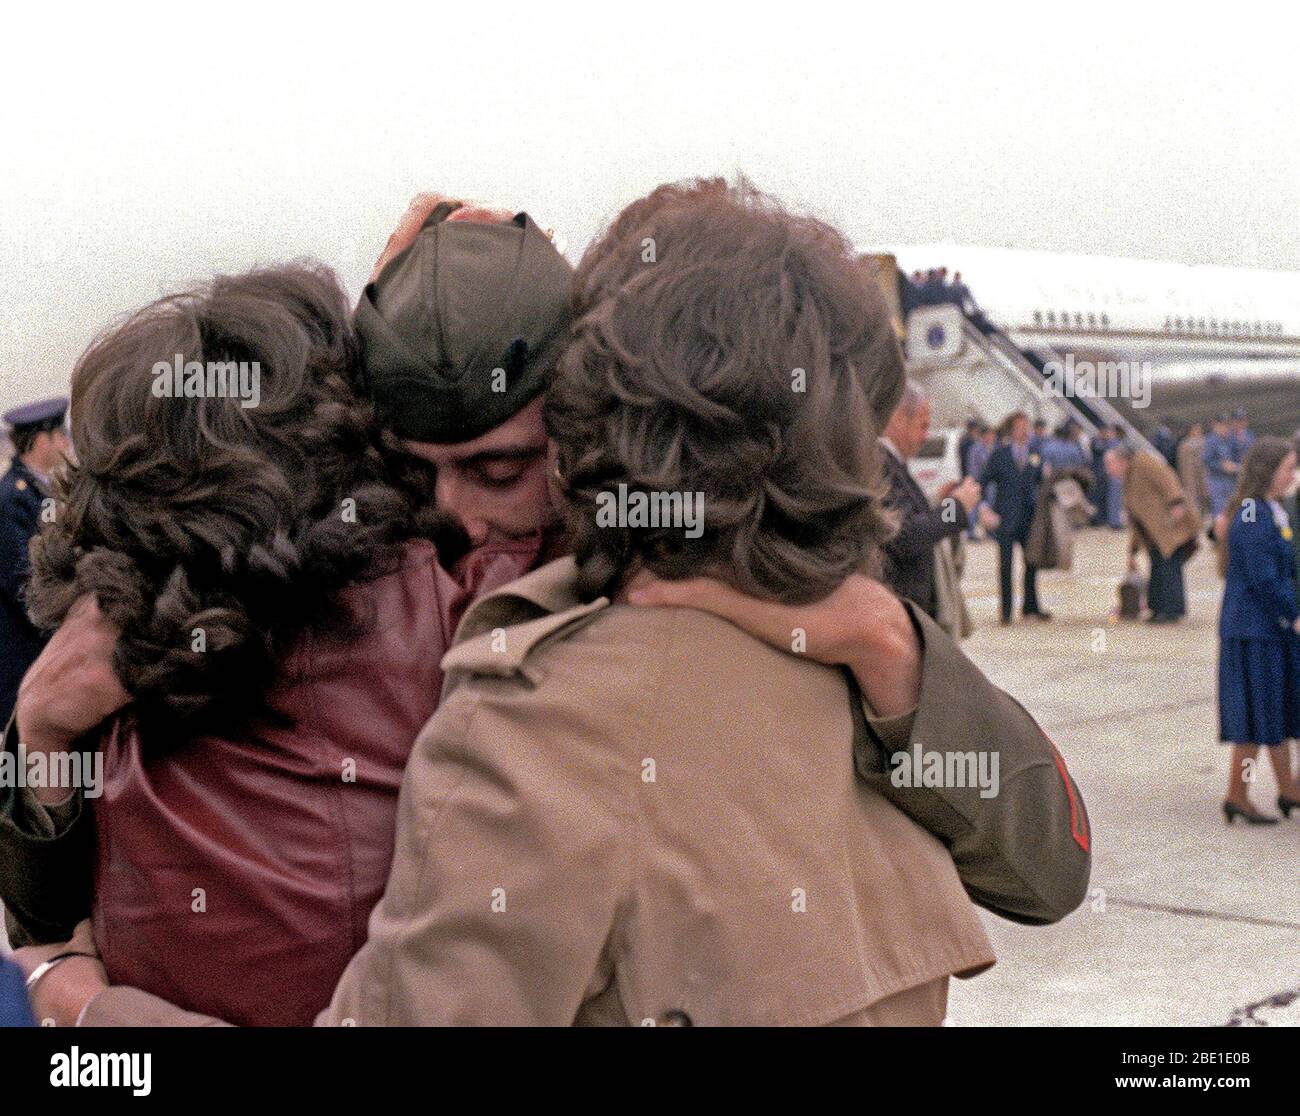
(63, 993)
(408, 228)
(861, 625)
(70, 688)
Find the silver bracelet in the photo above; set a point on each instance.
(46, 965)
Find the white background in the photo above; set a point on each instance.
(144, 147)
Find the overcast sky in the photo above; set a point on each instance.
(141, 152)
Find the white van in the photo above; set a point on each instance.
(936, 462)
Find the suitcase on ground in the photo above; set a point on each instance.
(1132, 588)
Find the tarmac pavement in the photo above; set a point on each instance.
(1190, 921)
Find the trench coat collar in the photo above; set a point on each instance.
(536, 606)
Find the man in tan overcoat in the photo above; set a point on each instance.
(1162, 522)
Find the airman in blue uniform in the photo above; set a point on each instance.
(1221, 464)
(40, 445)
(1242, 435)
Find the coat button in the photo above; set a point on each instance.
(677, 1018)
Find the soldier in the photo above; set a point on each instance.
(40, 446)
(1221, 465)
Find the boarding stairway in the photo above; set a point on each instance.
(1031, 366)
(971, 366)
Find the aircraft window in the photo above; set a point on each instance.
(1038, 317)
(1214, 325)
(1051, 317)
(1105, 319)
(1078, 318)
(1178, 323)
(1201, 324)
(1092, 320)
(1168, 323)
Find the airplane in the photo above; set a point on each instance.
(1216, 338)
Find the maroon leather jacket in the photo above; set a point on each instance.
(235, 876)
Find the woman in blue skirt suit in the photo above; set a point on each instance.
(1259, 631)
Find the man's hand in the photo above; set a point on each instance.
(408, 228)
(70, 688)
(967, 494)
(989, 519)
(63, 993)
(861, 625)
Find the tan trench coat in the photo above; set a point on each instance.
(1151, 490)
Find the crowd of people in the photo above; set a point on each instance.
(1240, 489)
(934, 288)
(397, 725)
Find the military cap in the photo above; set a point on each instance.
(46, 413)
(463, 328)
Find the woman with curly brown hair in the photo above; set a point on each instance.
(272, 573)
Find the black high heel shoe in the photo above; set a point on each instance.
(1231, 812)
(1286, 804)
